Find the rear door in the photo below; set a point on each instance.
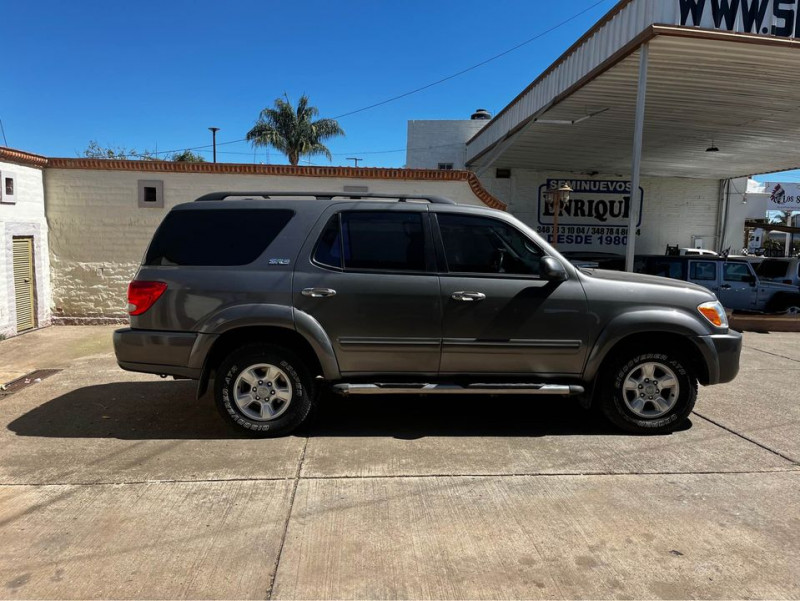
(367, 275)
(706, 274)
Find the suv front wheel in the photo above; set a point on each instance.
(265, 391)
(648, 393)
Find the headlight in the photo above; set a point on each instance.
(715, 313)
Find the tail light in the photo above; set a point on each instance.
(142, 295)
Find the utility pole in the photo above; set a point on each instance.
(355, 160)
(214, 131)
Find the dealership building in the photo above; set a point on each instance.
(679, 100)
(655, 117)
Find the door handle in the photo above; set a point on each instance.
(468, 297)
(725, 287)
(319, 292)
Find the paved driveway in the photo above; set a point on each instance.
(118, 485)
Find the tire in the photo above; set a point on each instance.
(784, 303)
(276, 374)
(647, 393)
(791, 306)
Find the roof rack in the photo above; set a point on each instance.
(440, 200)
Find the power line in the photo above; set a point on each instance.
(475, 66)
(457, 144)
(3, 129)
(432, 84)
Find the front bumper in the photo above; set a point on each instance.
(721, 353)
(155, 352)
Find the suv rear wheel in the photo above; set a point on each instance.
(265, 391)
(648, 393)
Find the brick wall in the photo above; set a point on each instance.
(25, 218)
(98, 233)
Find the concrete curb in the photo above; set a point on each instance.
(765, 323)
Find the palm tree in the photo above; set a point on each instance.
(293, 131)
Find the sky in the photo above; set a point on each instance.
(154, 76)
(149, 75)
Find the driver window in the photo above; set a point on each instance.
(484, 245)
(736, 272)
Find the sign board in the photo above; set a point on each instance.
(779, 18)
(596, 218)
(783, 196)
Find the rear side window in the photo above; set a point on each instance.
(771, 269)
(329, 247)
(666, 268)
(703, 270)
(215, 237)
(372, 240)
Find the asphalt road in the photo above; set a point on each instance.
(117, 485)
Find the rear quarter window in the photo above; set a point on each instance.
(772, 270)
(215, 237)
(666, 268)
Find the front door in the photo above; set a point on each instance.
(500, 317)
(369, 278)
(24, 283)
(737, 290)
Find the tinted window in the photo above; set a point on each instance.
(735, 272)
(215, 237)
(383, 240)
(482, 245)
(665, 268)
(772, 269)
(329, 247)
(705, 270)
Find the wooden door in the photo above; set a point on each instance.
(24, 284)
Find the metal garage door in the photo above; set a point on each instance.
(24, 283)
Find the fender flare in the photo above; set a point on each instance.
(262, 315)
(650, 321)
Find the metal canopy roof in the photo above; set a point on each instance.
(738, 92)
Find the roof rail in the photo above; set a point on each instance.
(329, 196)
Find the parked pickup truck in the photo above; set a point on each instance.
(277, 296)
(734, 281)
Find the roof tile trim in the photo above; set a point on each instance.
(19, 156)
(284, 170)
(22, 158)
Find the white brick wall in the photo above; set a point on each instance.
(25, 218)
(675, 211)
(98, 234)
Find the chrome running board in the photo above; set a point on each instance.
(406, 388)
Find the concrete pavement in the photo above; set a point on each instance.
(118, 485)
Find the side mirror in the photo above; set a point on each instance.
(552, 269)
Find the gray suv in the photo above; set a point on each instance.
(276, 297)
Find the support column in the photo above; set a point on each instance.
(636, 198)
